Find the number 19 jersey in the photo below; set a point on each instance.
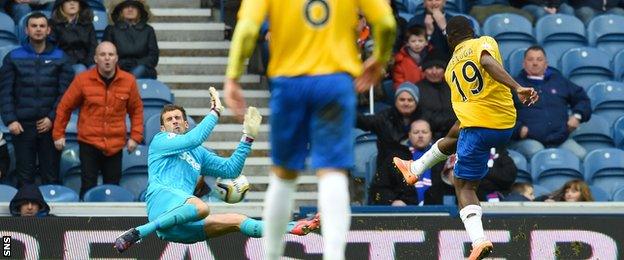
(478, 100)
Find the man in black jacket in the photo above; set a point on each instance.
(436, 95)
(33, 78)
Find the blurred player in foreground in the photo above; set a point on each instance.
(313, 60)
(481, 93)
(175, 162)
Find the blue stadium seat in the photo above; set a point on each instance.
(365, 151)
(69, 169)
(524, 174)
(607, 100)
(71, 130)
(97, 5)
(586, 66)
(553, 167)
(618, 195)
(539, 190)
(7, 30)
(618, 133)
(511, 31)
(4, 50)
(605, 168)
(58, 193)
(142, 196)
(135, 182)
(514, 62)
(135, 162)
(599, 194)
(594, 134)
(7, 193)
(154, 92)
(618, 66)
(108, 193)
(559, 32)
(606, 33)
(475, 24)
(20, 29)
(100, 21)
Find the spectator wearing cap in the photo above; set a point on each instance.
(392, 127)
(29, 202)
(436, 95)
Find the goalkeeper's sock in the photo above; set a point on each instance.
(252, 228)
(278, 205)
(179, 215)
(333, 192)
(428, 160)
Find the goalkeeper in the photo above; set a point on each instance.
(176, 161)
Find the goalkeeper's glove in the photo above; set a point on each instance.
(253, 119)
(215, 102)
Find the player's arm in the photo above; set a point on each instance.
(379, 15)
(498, 73)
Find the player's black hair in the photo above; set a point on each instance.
(170, 107)
(535, 48)
(458, 29)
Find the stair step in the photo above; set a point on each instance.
(177, 15)
(189, 31)
(193, 48)
(200, 98)
(231, 132)
(193, 65)
(227, 117)
(206, 81)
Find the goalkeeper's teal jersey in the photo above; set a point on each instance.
(175, 161)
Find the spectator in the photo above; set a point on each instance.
(587, 9)
(33, 79)
(521, 191)
(134, 38)
(434, 21)
(485, 8)
(540, 8)
(29, 202)
(419, 142)
(408, 60)
(501, 174)
(391, 127)
(547, 123)
(21, 8)
(5, 160)
(401, 27)
(571, 191)
(73, 31)
(104, 94)
(436, 95)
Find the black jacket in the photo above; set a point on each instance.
(32, 84)
(435, 104)
(388, 185)
(136, 44)
(77, 39)
(29, 193)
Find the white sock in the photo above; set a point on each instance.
(428, 160)
(335, 214)
(471, 216)
(278, 205)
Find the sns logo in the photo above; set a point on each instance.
(6, 246)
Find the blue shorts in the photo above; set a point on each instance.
(164, 200)
(312, 115)
(473, 150)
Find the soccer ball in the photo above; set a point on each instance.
(232, 190)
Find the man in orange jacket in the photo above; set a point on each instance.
(105, 94)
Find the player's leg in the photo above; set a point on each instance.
(221, 224)
(332, 152)
(439, 151)
(289, 139)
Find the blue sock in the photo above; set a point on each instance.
(179, 215)
(252, 227)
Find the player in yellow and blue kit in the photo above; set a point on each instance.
(176, 160)
(481, 94)
(312, 65)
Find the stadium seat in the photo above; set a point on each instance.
(134, 182)
(365, 151)
(606, 33)
(142, 196)
(585, 66)
(524, 174)
(559, 32)
(154, 92)
(539, 190)
(618, 133)
(605, 168)
(607, 100)
(134, 162)
(475, 24)
(618, 195)
(69, 169)
(599, 194)
(511, 31)
(4, 50)
(71, 130)
(58, 193)
(593, 134)
(100, 21)
(97, 5)
(553, 167)
(618, 66)
(7, 193)
(7, 30)
(515, 61)
(108, 193)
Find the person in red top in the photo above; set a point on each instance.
(408, 60)
(104, 94)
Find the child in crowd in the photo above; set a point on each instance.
(407, 62)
